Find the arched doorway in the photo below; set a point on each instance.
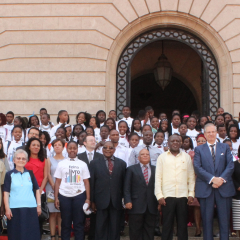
(210, 76)
(176, 94)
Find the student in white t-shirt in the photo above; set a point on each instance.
(176, 121)
(148, 115)
(45, 124)
(83, 119)
(113, 114)
(9, 124)
(19, 121)
(158, 140)
(63, 117)
(94, 122)
(136, 127)
(192, 132)
(75, 132)
(233, 134)
(33, 121)
(10, 147)
(126, 111)
(202, 122)
(72, 191)
(81, 147)
(60, 134)
(101, 116)
(123, 133)
(3, 130)
(222, 132)
(164, 127)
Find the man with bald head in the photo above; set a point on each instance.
(139, 198)
(107, 180)
(174, 188)
(147, 144)
(214, 185)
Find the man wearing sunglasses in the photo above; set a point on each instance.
(107, 180)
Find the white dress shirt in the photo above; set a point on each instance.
(87, 152)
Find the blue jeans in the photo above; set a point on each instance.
(72, 211)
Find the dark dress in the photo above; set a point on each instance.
(24, 224)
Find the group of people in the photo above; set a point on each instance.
(147, 171)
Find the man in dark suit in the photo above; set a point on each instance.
(107, 180)
(214, 166)
(139, 198)
(88, 156)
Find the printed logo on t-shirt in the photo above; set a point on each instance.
(73, 175)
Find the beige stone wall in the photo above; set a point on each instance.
(62, 54)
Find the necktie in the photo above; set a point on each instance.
(72, 159)
(145, 173)
(90, 157)
(159, 146)
(122, 136)
(110, 166)
(213, 152)
(147, 146)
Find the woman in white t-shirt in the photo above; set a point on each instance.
(10, 147)
(94, 122)
(3, 130)
(233, 134)
(72, 191)
(192, 132)
(176, 121)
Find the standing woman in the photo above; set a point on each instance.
(22, 209)
(94, 122)
(3, 130)
(176, 121)
(37, 164)
(72, 190)
(123, 133)
(55, 215)
(110, 122)
(233, 134)
(236, 198)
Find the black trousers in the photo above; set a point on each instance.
(141, 226)
(91, 235)
(108, 223)
(175, 207)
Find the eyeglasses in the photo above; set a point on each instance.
(110, 148)
(34, 134)
(21, 159)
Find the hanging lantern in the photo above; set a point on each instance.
(163, 71)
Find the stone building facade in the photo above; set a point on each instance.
(64, 54)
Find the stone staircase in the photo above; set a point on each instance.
(191, 233)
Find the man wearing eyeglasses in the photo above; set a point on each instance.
(33, 132)
(107, 180)
(214, 186)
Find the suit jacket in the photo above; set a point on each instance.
(83, 156)
(106, 187)
(205, 169)
(138, 192)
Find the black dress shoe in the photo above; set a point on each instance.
(157, 232)
(198, 235)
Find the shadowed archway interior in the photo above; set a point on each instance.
(146, 92)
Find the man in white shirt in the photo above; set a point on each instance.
(174, 187)
(120, 151)
(126, 111)
(9, 125)
(147, 144)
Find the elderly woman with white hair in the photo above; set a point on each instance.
(22, 208)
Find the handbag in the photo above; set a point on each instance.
(45, 212)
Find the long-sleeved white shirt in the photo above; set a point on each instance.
(174, 176)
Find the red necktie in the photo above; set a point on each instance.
(159, 146)
(145, 173)
(122, 136)
(110, 166)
